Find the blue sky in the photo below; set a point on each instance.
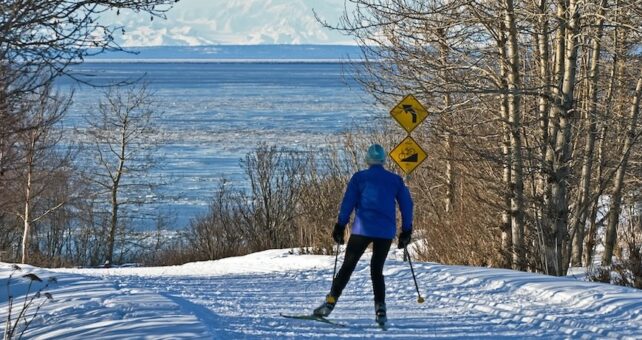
(206, 22)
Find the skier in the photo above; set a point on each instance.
(371, 194)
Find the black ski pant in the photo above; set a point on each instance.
(356, 247)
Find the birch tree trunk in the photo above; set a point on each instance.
(26, 217)
(549, 217)
(507, 224)
(567, 110)
(115, 204)
(450, 176)
(583, 203)
(543, 51)
(589, 244)
(616, 196)
(562, 113)
(515, 121)
(506, 228)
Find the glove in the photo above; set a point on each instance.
(404, 239)
(337, 233)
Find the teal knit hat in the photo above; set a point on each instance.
(376, 155)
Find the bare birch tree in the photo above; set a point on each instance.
(124, 139)
(616, 196)
(38, 145)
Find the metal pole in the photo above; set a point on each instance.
(336, 259)
(419, 298)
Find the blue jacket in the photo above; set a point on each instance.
(372, 194)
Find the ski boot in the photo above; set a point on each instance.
(326, 307)
(380, 312)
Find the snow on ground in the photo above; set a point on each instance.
(239, 298)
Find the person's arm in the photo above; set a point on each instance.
(406, 207)
(350, 199)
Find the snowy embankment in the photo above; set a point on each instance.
(242, 297)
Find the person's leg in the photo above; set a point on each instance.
(380, 248)
(357, 244)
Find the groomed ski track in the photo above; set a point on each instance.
(241, 298)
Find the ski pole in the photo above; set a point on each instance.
(419, 298)
(336, 259)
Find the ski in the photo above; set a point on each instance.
(313, 318)
(382, 325)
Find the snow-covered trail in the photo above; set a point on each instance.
(242, 298)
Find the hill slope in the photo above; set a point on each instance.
(242, 298)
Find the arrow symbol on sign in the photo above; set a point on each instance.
(407, 108)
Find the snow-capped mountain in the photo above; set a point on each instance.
(241, 22)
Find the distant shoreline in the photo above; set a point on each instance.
(226, 54)
(221, 61)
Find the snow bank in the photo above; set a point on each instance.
(262, 262)
(87, 307)
(242, 297)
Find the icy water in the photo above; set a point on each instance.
(214, 113)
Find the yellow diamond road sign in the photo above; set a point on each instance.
(408, 155)
(409, 113)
